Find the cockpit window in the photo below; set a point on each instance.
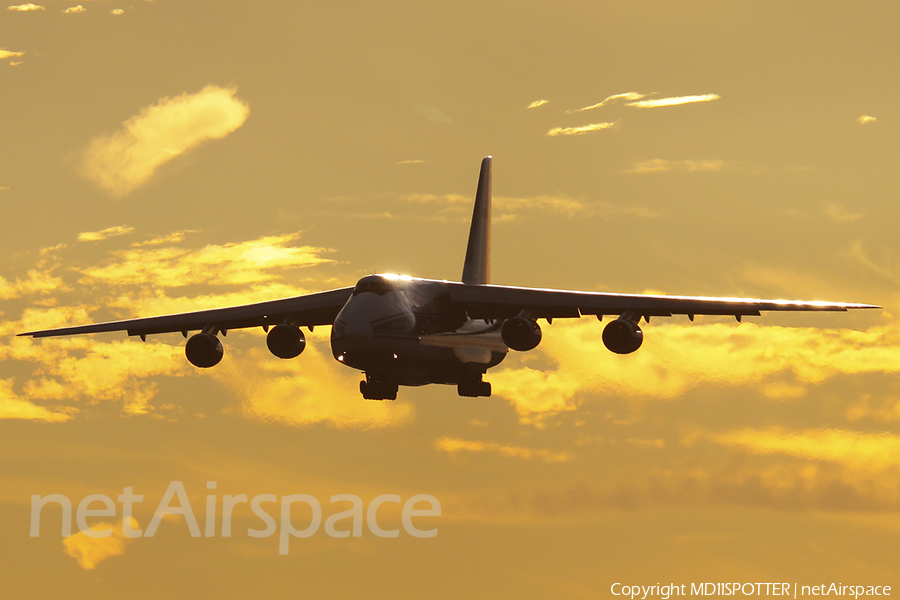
(374, 284)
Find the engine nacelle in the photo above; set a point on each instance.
(204, 350)
(521, 333)
(285, 341)
(623, 336)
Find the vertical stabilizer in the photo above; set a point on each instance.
(477, 268)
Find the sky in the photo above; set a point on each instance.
(164, 156)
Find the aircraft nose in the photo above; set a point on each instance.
(357, 329)
(355, 319)
(360, 322)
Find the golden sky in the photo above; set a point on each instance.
(163, 156)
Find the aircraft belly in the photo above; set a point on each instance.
(410, 360)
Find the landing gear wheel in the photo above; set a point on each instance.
(474, 389)
(378, 390)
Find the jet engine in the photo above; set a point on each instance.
(623, 336)
(285, 341)
(204, 350)
(521, 333)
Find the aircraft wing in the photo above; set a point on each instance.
(500, 302)
(319, 308)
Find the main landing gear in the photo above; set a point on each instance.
(474, 388)
(376, 389)
(383, 389)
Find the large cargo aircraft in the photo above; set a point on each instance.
(401, 330)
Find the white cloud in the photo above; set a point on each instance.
(235, 263)
(580, 130)
(839, 215)
(538, 103)
(313, 389)
(674, 101)
(610, 99)
(91, 551)
(457, 207)
(433, 114)
(9, 54)
(779, 362)
(25, 7)
(117, 11)
(125, 160)
(867, 451)
(75, 9)
(35, 282)
(137, 281)
(659, 165)
(866, 119)
(454, 445)
(14, 407)
(95, 236)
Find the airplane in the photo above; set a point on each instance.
(402, 330)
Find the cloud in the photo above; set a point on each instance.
(779, 362)
(774, 467)
(13, 407)
(306, 391)
(86, 370)
(35, 282)
(872, 452)
(674, 101)
(91, 551)
(610, 99)
(96, 236)
(457, 207)
(879, 259)
(770, 481)
(866, 119)
(117, 11)
(25, 7)
(235, 263)
(123, 161)
(884, 409)
(92, 369)
(433, 114)
(636, 100)
(9, 54)
(839, 215)
(75, 9)
(410, 162)
(642, 443)
(538, 103)
(454, 445)
(170, 238)
(507, 207)
(580, 130)
(660, 165)
(74, 370)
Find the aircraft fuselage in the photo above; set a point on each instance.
(405, 331)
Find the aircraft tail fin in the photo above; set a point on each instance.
(477, 268)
